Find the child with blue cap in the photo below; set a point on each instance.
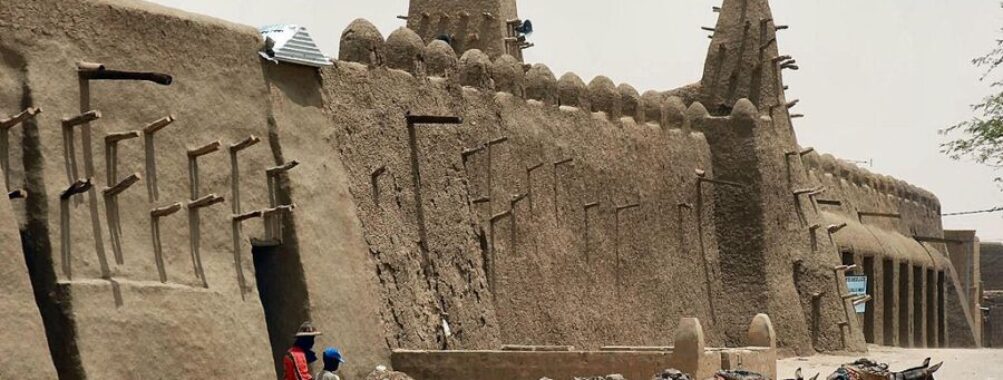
(332, 360)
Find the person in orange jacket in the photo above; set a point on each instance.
(296, 362)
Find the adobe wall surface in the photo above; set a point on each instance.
(458, 365)
(960, 322)
(963, 249)
(340, 252)
(689, 355)
(991, 266)
(325, 269)
(765, 233)
(499, 365)
(21, 320)
(556, 213)
(188, 330)
(886, 220)
(470, 24)
(523, 281)
(993, 337)
(965, 255)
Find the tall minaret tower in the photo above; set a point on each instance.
(768, 256)
(744, 60)
(488, 25)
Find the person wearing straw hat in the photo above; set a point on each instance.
(296, 362)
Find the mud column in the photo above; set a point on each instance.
(931, 309)
(747, 271)
(741, 245)
(918, 310)
(892, 337)
(903, 322)
(761, 242)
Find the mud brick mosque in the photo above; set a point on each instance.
(181, 198)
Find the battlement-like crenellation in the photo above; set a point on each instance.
(449, 197)
(404, 50)
(485, 25)
(861, 177)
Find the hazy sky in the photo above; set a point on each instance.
(877, 78)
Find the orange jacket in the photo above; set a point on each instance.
(295, 366)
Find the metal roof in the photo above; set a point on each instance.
(292, 44)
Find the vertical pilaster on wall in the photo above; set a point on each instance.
(870, 321)
(888, 310)
(745, 271)
(931, 309)
(744, 61)
(918, 314)
(941, 310)
(904, 305)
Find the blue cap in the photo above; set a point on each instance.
(332, 353)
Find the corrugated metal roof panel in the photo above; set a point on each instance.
(293, 44)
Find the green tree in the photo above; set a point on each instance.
(981, 137)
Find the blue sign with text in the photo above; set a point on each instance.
(858, 287)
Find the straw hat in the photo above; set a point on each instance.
(307, 329)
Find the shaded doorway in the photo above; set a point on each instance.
(282, 288)
(847, 257)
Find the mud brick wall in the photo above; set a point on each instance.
(89, 300)
(558, 212)
(477, 24)
(890, 226)
(991, 266)
(21, 318)
(549, 193)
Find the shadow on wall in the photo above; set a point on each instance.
(59, 328)
(299, 84)
(278, 268)
(283, 296)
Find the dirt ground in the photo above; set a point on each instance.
(959, 364)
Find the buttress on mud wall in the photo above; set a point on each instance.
(556, 213)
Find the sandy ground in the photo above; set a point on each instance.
(959, 364)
